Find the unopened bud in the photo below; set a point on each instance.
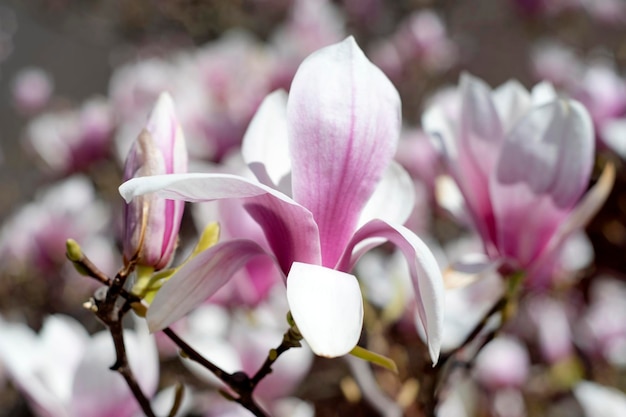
(152, 223)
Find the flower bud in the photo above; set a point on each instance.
(152, 223)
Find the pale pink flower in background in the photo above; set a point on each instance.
(152, 223)
(601, 331)
(64, 372)
(72, 140)
(522, 162)
(35, 235)
(553, 332)
(421, 39)
(32, 89)
(502, 363)
(343, 123)
(556, 63)
(311, 25)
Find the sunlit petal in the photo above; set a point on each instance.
(327, 307)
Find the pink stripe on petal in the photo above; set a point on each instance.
(344, 123)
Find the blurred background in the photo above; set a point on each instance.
(77, 80)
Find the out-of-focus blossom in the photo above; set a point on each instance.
(421, 40)
(152, 223)
(217, 88)
(32, 89)
(596, 84)
(343, 123)
(72, 140)
(602, 329)
(600, 401)
(64, 372)
(553, 331)
(35, 235)
(554, 62)
(502, 363)
(311, 25)
(522, 162)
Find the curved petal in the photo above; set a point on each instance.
(424, 270)
(393, 198)
(344, 124)
(289, 228)
(265, 146)
(479, 141)
(327, 307)
(599, 400)
(198, 279)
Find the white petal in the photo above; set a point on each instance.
(393, 198)
(265, 146)
(327, 307)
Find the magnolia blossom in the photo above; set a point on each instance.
(522, 162)
(152, 223)
(63, 371)
(71, 140)
(325, 195)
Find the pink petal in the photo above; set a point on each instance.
(327, 306)
(344, 123)
(425, 274)
(289, 228)
(544, 168)
(198, 279)
(479, 139)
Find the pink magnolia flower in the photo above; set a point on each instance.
(522, 162)
(152, 223)
(502, 363)
(343, 121)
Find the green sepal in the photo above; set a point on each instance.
(375, 358)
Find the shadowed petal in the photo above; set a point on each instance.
(425, 274)
(198, 279)
(265, 146)
(393, 198)
(544, 168)
(344, 124)
(327, 307)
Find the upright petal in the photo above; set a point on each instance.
(344, 123)
(479, 139)
(544, 168)
(265, 146)
(423, 268)
(327, 306)
(289, 228)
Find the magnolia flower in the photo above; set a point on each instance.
(600, 401)
(152, 223)
(522, 162)
(63, 371)
(333, 142)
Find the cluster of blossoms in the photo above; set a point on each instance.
(313, 205)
